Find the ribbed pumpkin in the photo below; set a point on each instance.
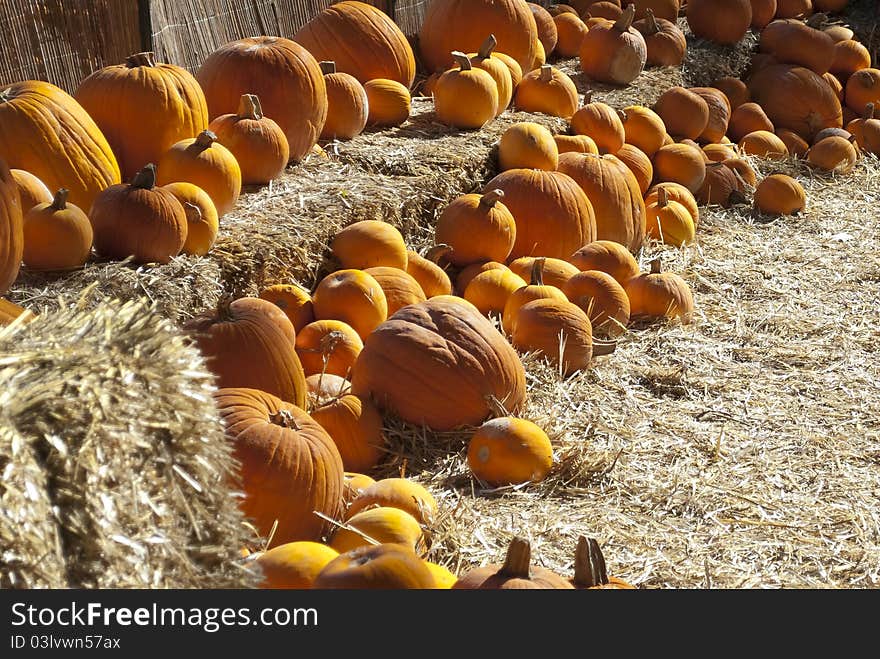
(31, 189)
(352, 296)
(793, 8)
(463, 25)
(764, 144)
(477, 228)
(347, 104)
(11, 228)
(734, 89)
(258, 143)
(547, 33)
(747, 118)
(368, 243)
(797, 146)
(57, 235)
(363, 41)
(283, 74)
(143, 107)
(554, 272)
(355, 483)
(616, 53)
(570, 31)
(638, 163)
(615, 196)
(328, 346)
(833, 154)
(722, 21)
(249, 342)
(399, 286)
(720, 186)
(601, 122)
(294, 565)
(866, 130)
(602, 298)
(608, 256)
(383, 524)
(437, 363)
(669, 221)
(355, 426)
(685, 114)
(643, 128)
(489, 291)
(536, 289)
(487, 51)
(527, 145)
(498, 69)
(590, 572)
(204, 162)
(465, 97)
(792, 41)
(202, 221)
(325, 387)
(680, 163)
(547, 90)
(516, 573)
(780, 194)
(862, 87)
(676, 192)
(467, 274)
(397, 492)
(46, 132)
(658, 294)
(389, 102)
(665, 43)
(290, 467)
(509, 451)
(293, 300)
(376, 567)
(576, 143)
(553, 215)
(719, 113)
(138, 219)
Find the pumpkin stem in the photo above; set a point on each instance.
(249, 107)
(499, 407)
(224, 308)
(818, 19)
(147, 59)
(589, 563)
(437, 252)
(284, 419)
(655, 265)
(205, 139)
(602, 347)
(59, 202)
(327, 344)
(328, 67)
(662, 197)
(538, 271)
(653, 25)
(491, 197)
(145, 179)
(518, 559)
(546, 73)
(5, 94)
(625, 21)
(588, 97)
(487, 47)
(463, 61)
(622, 113)
(869, 111)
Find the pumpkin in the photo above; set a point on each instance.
(438, 363)
(204, 162)
(600, 122)
(736, 91)
(547, 90)
(143, 107)
(719, 113)
(576, 143)
(665, 9)
(282, 73)
(527, 145)
(355, 426)
(430, 276)
(509, 451)
(477, 228)
(792, 41)
(570, 32)
(554, 272)
(389, 102)
(536, 289)
(31, 189)
(747, 118)
(836, 87)
(399, 286)
(11, 228)
(658, 294)
(866, 131)
(498, 69)
(354, 484)
(793, 8)
(615, 53)
(540, 57)
(590, 571)
(763, 143)
(779, 194)
(138, 219)
(463, 25)
(396, 492)
(487, 51)
(796, 98)
(10, 312)
(721, 21)
(294, 565)
(669, 221)
(720, 187)
(325, 388)
(352, 296)
(202, 221)
(46, 132)
(665, 43)
(547, 33)
(443, 577)
(833, 154)
(685, 114)
(643, 128)
(602, 298)
(57, 235)
(376, 567)
(797, 146)
(638, 163)
(293, 300)
(364, 41)
(606, 9)
(838, 32)
(489, 291)
(719, 152)
(680, 163)
(676, 192)
(552, 213)
(369, 243)
(465, 97)
(763, 11)
(258, 143)
(615, 195)
(608, 256)
(861, 88)
(290, 467)
(467, 274)
(382, 525)
(517, 572)
(347, 104)
(328, 346)
(745, 175)
(828, 132)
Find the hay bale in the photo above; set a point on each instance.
(107, 420)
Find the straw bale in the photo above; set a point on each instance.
(107, 420)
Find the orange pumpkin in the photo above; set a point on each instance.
(780, 194)
(638, 163)
(576, 143)
(719, 113)
(389, 102)
(665, 43)
(794, 42)
(547, 33)
(643, 128)
(736, 91)
(720, 187)
(793, 8)
(57, 236)
(347, 104)
(498, 69)
(325, 388)
(527, 145)
(399, 286)
(536, 289)
(383, 525)
(669, 221)
(795, 144)
(369, 243)
(602, 298)
(443, 577)
(355, 426)
(680, 163)
(465, 97)
(764, 144)
(763, 11)
(516, 573)
(862, 87)
(397, 492)
(293, 300)
(11, 228)
(509, 451)
(328, 346)
(467, 274)
(547, 90)
(614, 53)
(489, 291)
(833, 154)
(376, 567)
(294, 565)
(487, 51)
(354, 484)
(554, 272)
(10, 312)
(658, 294)
(722, 22)
(31, 189)
(866, 130)
(601, 122)
(430, 276)
(685, 114)
(202, 221)
(570, 32)
(675, 192)
(352, 296)
(746, 119)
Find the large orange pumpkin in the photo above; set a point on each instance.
(11, 228)
(290, 467)
(438, 363)
(143, 107)
(46, 132)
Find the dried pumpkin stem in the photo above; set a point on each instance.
(869, 111)
(589, 564)
(546, 73)
(5, 94)
(249, 107)
(625, 21)
(537, 274)
(588, 97)
(205, 139)
(653, 25)
(284, 419)
(147, 59)
(655, 266)
(490, 198)
(662, 197)
(59, 202)
(518, 559)
(487, 47)
(463, 61)
(437, 252)
(145, 179)
(328, 67)
(497, 405)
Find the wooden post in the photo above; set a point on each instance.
(145, 24)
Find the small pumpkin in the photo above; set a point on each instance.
(590, 571)
(602, 298)
(720, 187)
(352, 296)
(735, 89)
(570, 32)
(31, 189)
(389, 103)
(487, 51)
(348, 107)
(643, 128)
(721, 21)
(849, 56)
(863, 87)
(328, 346)
(610, 10)
(747, 118)
(467, 274)
(780, 194)
(380, 525)
(669, 221)
(431, 277)
(601, 123)
(355, 426)
(719, 152)
(866, 130)
(638, 163)
(665, 43)
(324, 388)
(294, 300)
(719, 113)
(465, 97)
(509, 451)
(547, 34)
(528, 145)
(665, 9)
(294, 565)
(202, 220)
(369, 243)
(547, 90)
(576, 143)
(797, 146)
(763, 143)
(680, 163)
(658, 294)
(763, 11)
(608, 256)
(615, 53)
(676, 192)
(517, 572)
(399, 286)
(477, 228)
(833, 154)
(536, 289)
(355, 483)
(685, 114)
(397, 492)
(498, 69)
(489, 291)
(554, 272)
(57, 235)
(376, 567)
